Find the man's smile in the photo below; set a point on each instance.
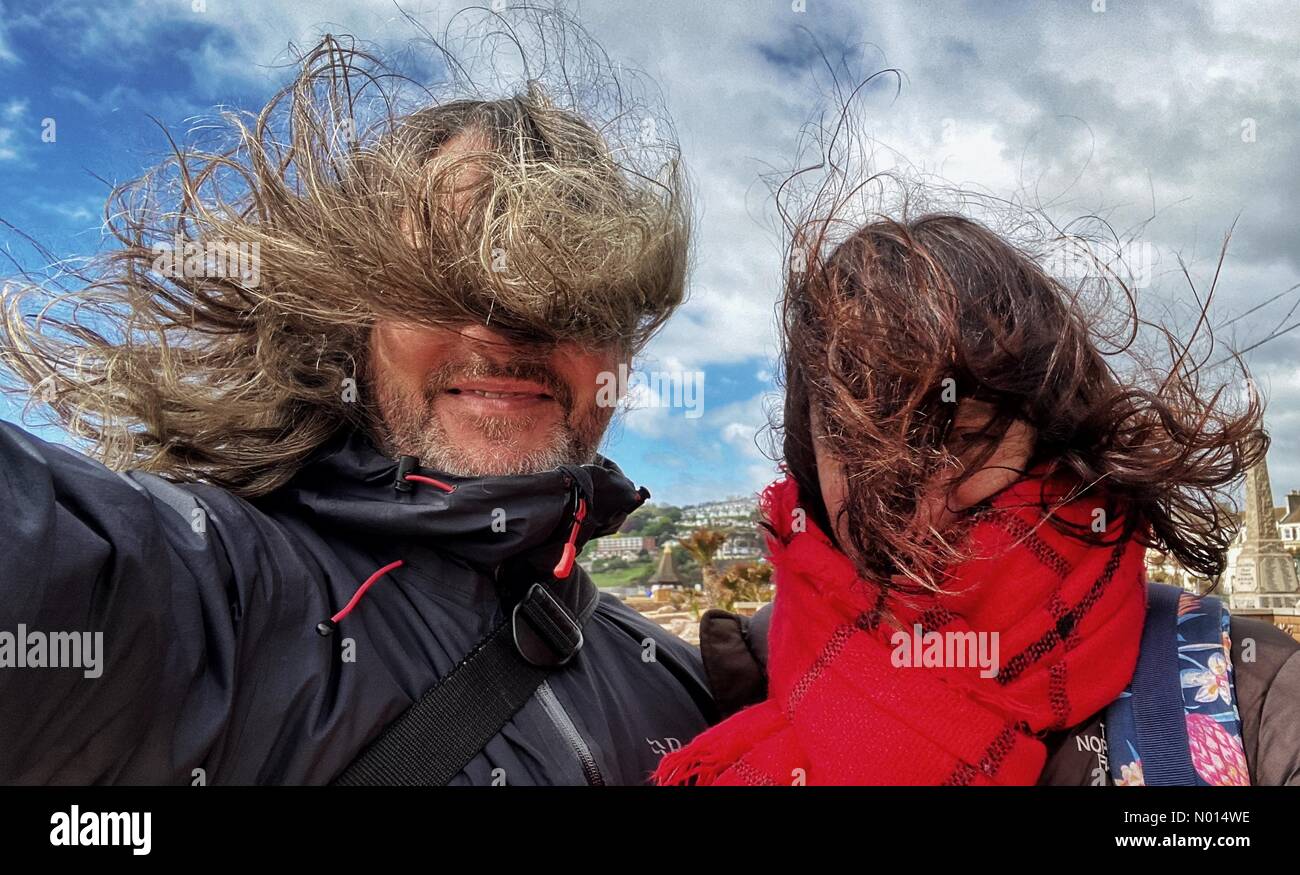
(495, 396)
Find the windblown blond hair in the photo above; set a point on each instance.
(559, 230)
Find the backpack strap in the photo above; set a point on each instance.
(1157, 696)
(438, 735)
(1177, 723)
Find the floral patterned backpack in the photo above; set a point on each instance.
(1177, 723)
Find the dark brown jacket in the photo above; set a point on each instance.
(1267, 689)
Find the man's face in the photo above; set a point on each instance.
(472, 403)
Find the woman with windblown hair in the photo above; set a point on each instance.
(962, 460)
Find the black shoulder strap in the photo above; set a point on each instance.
(431, 743)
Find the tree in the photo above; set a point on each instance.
(638, 519)
(659, 527)
(688, 571)
(703, 545)
(746, 582)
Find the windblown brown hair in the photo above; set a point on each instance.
(568, 221)
(879, 324)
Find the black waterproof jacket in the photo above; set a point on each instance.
(213, 668)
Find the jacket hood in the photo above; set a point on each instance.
(349, 486)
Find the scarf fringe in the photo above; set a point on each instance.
(703, 761)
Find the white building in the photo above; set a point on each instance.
(715, 513)
(624, 546)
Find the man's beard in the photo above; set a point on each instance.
(411, 427)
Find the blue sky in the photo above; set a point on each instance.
(1123, 109)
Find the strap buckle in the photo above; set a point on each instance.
(546, 635)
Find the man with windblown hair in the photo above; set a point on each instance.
(321, 485)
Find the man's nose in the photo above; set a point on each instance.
(499, 347)
(490, 343)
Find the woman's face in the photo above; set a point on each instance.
(943, 502)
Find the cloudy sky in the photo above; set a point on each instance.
(1181, 116)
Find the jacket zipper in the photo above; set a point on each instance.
(565, 725)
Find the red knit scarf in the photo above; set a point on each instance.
(844, 706)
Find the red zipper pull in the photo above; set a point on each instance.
(565, 566)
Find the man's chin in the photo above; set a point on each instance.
(501, 462)
(491, 446)
(475, 455)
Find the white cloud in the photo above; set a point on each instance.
(11, 112)
(724, 452)
(79, 210)
(7, 55)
